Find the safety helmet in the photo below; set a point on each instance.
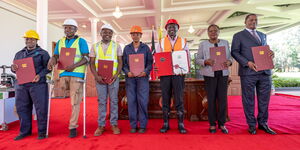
(107, 26)
(170, 21)
(136, 29)
(31, 34)
(71, 22)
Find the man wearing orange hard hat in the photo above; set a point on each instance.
(35, 92)
(172, 84)
(137, 83)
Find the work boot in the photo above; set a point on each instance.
(115, 129)
(165, 126)
(180, 117)
(41, 136)
(99, 131)
(73, 133)
(20, 137)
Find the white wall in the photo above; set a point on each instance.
(13, 27)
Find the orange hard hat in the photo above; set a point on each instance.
(136, 29)
(170, 21)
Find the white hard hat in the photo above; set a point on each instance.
(70, 22)
(107, 26)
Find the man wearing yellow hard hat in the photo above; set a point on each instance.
(70, 77)
(137, 85)
(35, 92)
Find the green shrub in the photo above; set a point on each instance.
(286, 82)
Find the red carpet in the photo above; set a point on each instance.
(284, 117)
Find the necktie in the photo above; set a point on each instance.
(255, 36)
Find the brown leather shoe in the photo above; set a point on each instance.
(99, 131)
(115, 129)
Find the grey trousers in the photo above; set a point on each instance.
(105, 90)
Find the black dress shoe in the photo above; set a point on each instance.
(133, 130)
(224, 129)
(73, 133)
(41, 136)
(252, 130)
(266, 129)
(142, 130)
(20, 137)
(212, 130)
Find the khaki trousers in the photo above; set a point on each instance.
(76, 94)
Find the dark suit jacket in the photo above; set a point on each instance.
(242, 53)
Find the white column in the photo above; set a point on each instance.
(94, 22)
(42, 22)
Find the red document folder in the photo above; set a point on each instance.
(66, 58)
(261, 57)
(105, 70)
(136, 63)
(163, 62)
(26, 70)
(218, 54)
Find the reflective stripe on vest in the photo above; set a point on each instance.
(78, 56)
(166, 45)
(111, 54)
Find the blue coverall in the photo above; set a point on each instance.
(137, 88)
(33, 93)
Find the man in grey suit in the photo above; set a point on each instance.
(252, 79)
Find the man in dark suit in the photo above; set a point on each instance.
(252, 79)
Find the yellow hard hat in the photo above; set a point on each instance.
(31, 34)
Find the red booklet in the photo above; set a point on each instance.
(163, 62)
(218, 54)
(261, 57)
(66, 58)
(26, 70)
(105, 70)
(136, 63)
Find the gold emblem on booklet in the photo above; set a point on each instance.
(24, 65)
(136, 60)
(218, 53)
(261, 52)
(105, 66)
(67, 53)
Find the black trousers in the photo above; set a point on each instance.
(172, 85)
(262, 84)
(26, 96)
(216, 89)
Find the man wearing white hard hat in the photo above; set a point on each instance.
(106, 49)
(72, 74)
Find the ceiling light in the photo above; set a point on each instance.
(84, 26)
(191, 29)
(117, 13)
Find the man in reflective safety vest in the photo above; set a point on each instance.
(173, 84)
(70, 77)
(107, 50)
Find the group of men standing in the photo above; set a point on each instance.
(137, 86)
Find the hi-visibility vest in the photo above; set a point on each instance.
(166, 45)
(111, 54)
(78, 56)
